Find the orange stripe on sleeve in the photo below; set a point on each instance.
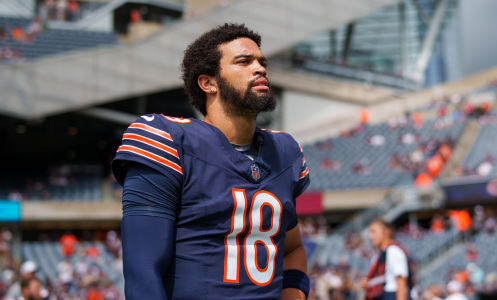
(151, 156)
(303, 174)
(151, 142)
(152, 130)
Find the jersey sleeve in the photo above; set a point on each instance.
(304, 180)
(301, 186)
(149, 141)
(147, 192)
(397, 261)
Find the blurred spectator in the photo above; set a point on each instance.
(330, 164)
(94, 293)
(134, 16)
(409, 139)
(28, 271)
(455, 291)
(432, 292)
(461, 219)
(18, 34)
(478, 217)
(437, 224)
(486, 166)
(417, 119)
(81, 268)
(472, 252)
(475, 273)
(92, 251)
(490, 224)
(31, 289)
(376, 140)
(72, 10)
(68, 242)
(35, 27)
(3, 34)
(65, 270)
(362, 167)
(364, 116)
(48, 10)
(392, 124)
(113, 243)
(490, 284)
(61, 10)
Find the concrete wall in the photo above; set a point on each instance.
(478, 40)
(300, 110)
(104, 23)
(6, 9)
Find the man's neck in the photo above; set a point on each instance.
(237, 129)
(385, 244)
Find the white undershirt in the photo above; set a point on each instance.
(396, 265)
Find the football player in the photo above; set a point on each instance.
(209, 206)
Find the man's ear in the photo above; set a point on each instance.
(208, 84)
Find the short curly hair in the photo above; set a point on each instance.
(203, 57)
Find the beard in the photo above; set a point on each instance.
(239, 103)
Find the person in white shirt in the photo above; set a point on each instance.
(455, 288)
(387, 278)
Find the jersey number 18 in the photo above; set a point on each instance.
(255, 236)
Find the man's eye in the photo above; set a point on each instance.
(242, 61)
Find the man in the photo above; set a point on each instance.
(31, 288)
(387, 278)
(209, 206)
(27, 271)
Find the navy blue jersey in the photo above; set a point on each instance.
(233, 213)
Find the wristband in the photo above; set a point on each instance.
(296, 279)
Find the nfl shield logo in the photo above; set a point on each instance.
(255, 172)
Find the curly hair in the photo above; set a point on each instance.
(203, 57)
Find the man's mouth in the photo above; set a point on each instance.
(261, 84)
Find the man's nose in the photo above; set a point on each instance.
(259, 69)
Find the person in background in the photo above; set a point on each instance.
(387, 278)
(31, 289)
(28, 271)
(68, 242)
(455, 291)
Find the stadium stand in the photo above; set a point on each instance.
(354, 161)
(62, 183)
(47, 42)
(480, 160)
(94, 267)
(464, 256)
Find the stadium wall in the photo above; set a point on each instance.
(301, 110)
(71, 211)
(476, 25)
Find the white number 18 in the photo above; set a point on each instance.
(255, 236)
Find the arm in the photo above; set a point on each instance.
(401, 293)
(396, 261)
(147, 251)
(150, 200)
(294, 258)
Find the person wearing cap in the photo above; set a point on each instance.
(455, 290)
(28, 270)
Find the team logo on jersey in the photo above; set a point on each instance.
(255, 172)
